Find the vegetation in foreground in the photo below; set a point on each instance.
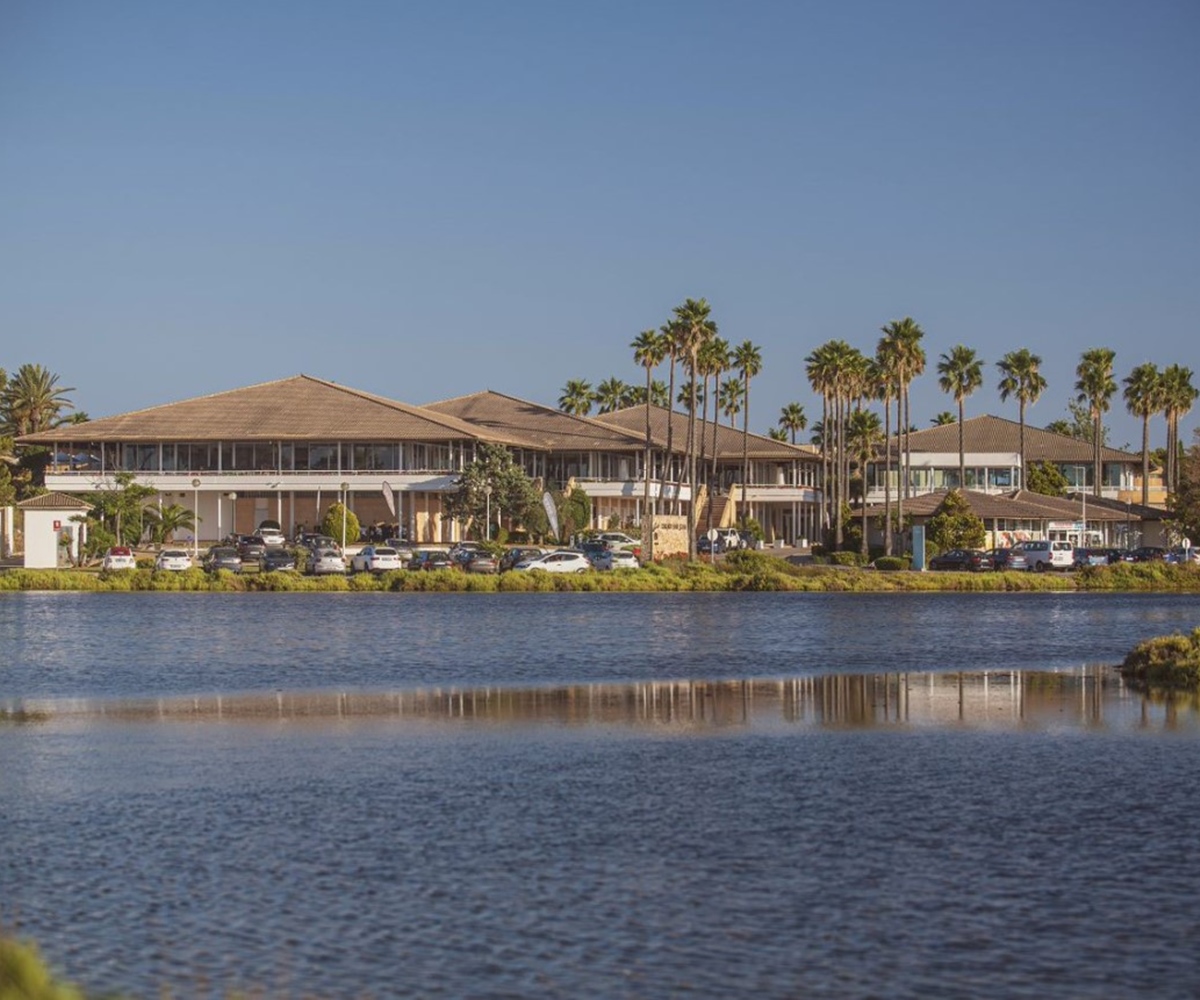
(739, 571)
(24, 976)
(1166, 663)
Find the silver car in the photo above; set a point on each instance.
(325, 562)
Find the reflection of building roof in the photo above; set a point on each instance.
(729, 439)
(1020, 505)
(300, 408)
(996, 435)
(536, 426)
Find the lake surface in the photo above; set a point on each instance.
(599, 795)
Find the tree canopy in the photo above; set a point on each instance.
(955, 525)
(494, 484)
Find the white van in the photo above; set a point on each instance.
(1042, 554)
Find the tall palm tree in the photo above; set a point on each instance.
(1143, 398)
(887, 375)
(577, 397)
(818, 368)
(863, 434)
(1020, 377)
(32, 401)
(1178, 396)
(747, 357)
(649, 351)
(611, 394)
(717, 359)
(670, 333)
(792, 419)
(731, 398)
(905, 337)
(961, 373)
(777, 434)
(1095, 386)
(695, 328)
(943, 419)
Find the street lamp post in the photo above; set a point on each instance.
(345, 491)
(195, 518)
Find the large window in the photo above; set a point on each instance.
(367, 457)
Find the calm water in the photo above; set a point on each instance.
(599, 795)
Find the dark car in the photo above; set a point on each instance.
(1091, 557)
(518, 554)
(222, 557)
(1001, 558)
(277, 559)
(431, 559)
(710, 546)
(1147, 553)
(971, 560)
(252, 547)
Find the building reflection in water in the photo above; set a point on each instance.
(1090, 697)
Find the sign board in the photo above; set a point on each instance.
(57, 525)
(713, 534)
(918, 548)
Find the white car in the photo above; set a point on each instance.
(119, 557)
(1042, 554)
(562, 561)
(375, 559)
(173, 560)
(616, 559)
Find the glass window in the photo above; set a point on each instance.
(323, 457)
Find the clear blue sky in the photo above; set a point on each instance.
(425, 200)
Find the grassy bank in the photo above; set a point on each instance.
(742, 571)
(1166, 663)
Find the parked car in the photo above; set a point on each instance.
(1042, 554)
(222, 557)
(1002, 559)
(482, 562)
(119, 557)
(562, 561)
(618, 540)
(592, 549)
(430, 559)
(1147, 553)
(375, 559)
(326, 562)
(276, 558)
(313, 540)
(518, 554)
(616, 559)
(252, 548)
(1090, 557)
(708, 546)
(1179, 554)
(971, 560)
(173, 560)
(271, 532)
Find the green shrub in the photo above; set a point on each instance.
(24, 976)
(1169, 662)
(846, 558)
(891, 563)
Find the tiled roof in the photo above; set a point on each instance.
(997, 435)
(1017, 505)
(300, 408)
(54, 501)
(729, 439)
(538, 426)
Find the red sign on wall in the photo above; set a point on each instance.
(57, 525)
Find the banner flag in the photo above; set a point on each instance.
(551, 512)
(387, 497)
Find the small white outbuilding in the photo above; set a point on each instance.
(52, 538)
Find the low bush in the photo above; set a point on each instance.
(846, 558)
(24, 976)
(891, 563)
(1169, 663)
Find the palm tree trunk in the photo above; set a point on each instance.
(746, 445)
(647, 515)
(691, 450)
(669, 458)
(1022, 410)
(962, 458)
(887, 475)
(1146, 460)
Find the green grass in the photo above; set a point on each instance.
(739, 571)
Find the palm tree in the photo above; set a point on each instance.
(577, 397)
(1178, 396)
(610, 394)
(730, 399)
(695, 328)
(717, 358)
(777, 434)
(887, 374)
(670, 337)
(1143, 398)
(863, 434)
(904, 339)
(1095, 386)
(649, 351)
(1020, 377)
(748, 359)
(961, 374)
(172, 518)
(792, 419)
(944, 419)
(32, 401)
